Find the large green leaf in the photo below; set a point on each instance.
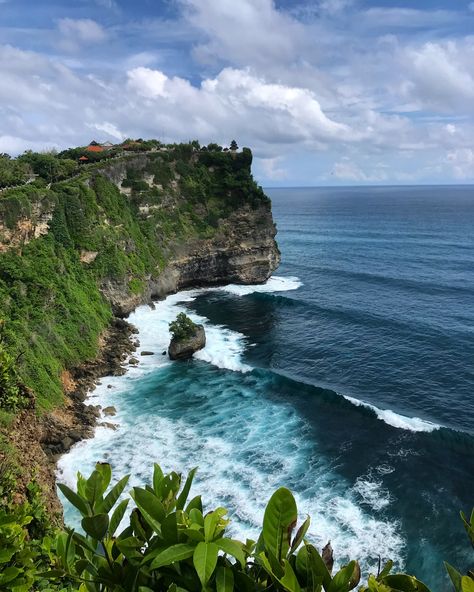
(303, 529)
(157, 478)
(318, 567)
(117, 516)
(289, 579)
(233, 548)
(113, 495)
(150, 507)
(205, 560)
(455, 576)
(105, 471)
(279, 518)
(172, 555)
(183, 496)
(340, 582)
(94, 488)
(224, 579)
(405, 583)
(467, 584)
(96, 526)
(74, 498)
(211, 521)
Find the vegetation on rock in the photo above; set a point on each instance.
(182, 327)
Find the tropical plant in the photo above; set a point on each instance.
(463, 583)
(182, 327)
(168, 544)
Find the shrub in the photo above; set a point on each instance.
(169, 545)
(182, 328)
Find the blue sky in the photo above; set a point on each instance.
(325, 92)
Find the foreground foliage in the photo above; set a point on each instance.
(170, 544)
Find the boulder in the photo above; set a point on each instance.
(133, 362)
(183, 349)
(108, 411)
(146, 353)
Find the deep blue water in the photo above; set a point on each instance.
(356, 389)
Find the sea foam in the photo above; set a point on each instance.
(403, 422)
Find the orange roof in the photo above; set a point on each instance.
(94, 149)
(83, 158)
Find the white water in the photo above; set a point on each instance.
(412, 424)
(246, 445)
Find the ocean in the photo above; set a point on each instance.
(348, 378)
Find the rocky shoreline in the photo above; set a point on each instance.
(63, 428)
(41, 440)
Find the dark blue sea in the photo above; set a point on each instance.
(349, 378)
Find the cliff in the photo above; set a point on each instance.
(77, 253)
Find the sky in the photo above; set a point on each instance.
(325, 92)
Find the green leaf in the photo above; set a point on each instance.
(205, 560)
(194, 504)
(183, 496)
(117, 516)
(405, 583)
(74, 498)
(385, 571)
(172, 555)
(96, 526)
(341, 580)
(467, 584)
(233, 548)
(105, 471)
(289, 579)
(113, 495)
(224, 579)
(9, 574)
(94, 488)
(455, 576)
(157, 478)
(130, 547)
(303, 529)
(149, 504)
(318, 567)
(169, 529)
(278, 520)
(211, 521)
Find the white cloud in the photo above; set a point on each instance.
(245, 32)
(345, 170)
(462, 163)
(79, 32)
(272, 169)
(110, 129)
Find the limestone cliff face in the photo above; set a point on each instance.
(243, 251)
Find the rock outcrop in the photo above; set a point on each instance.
(183, 349)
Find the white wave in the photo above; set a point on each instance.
(274, 284)
(372, 493)
(403, 422)
(241, 468)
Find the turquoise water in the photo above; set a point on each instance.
(348, 378)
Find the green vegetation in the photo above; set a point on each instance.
(169, 544)
(51, 295)
(182, 328)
